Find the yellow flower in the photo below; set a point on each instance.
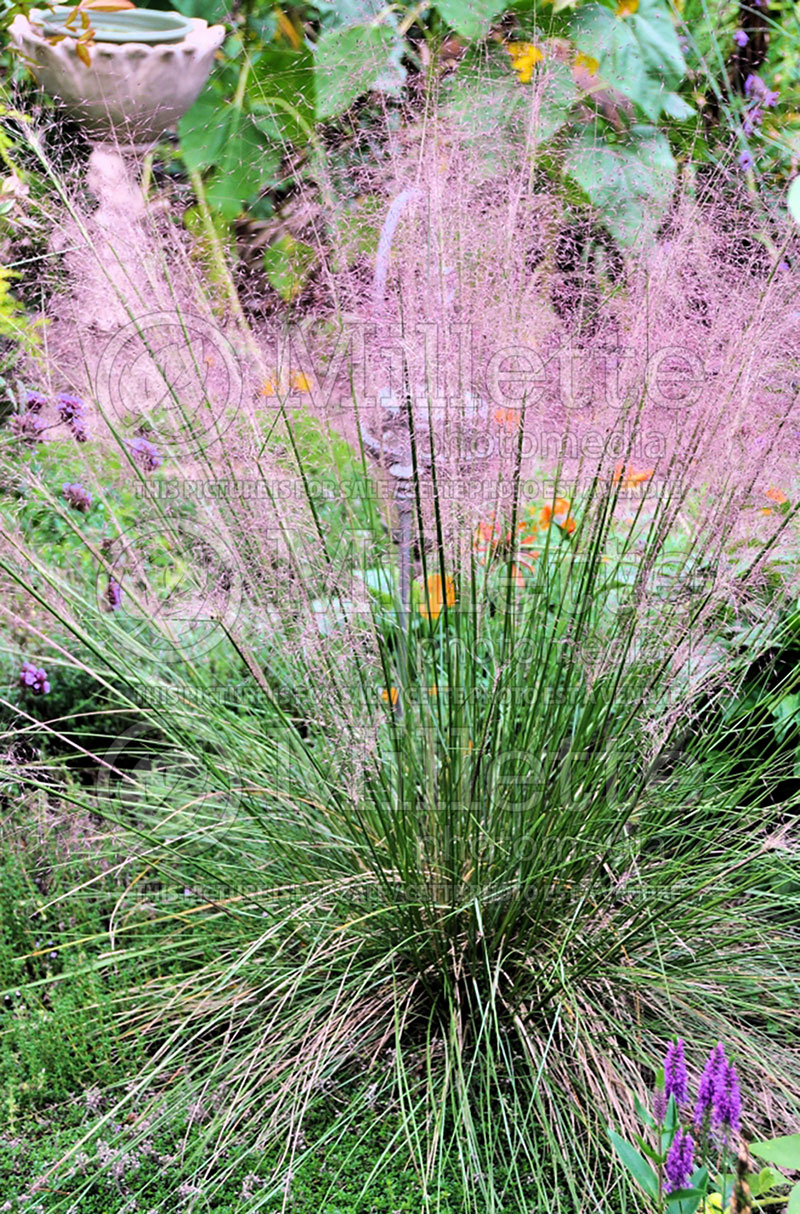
(269, 388)
(437, 595)
(524, 57)
(626, 7)
(591, 65)
(300, 381)
(776, 495)
(390, 696)
(712, 1204)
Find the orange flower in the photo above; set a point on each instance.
(269, 388)
(626, 7)
(776, 495)
(558, 514)
(508, 418)
(632, 478)
(437, 596)
(390, 696)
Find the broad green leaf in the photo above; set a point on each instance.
(349, 62)
(639, 55)
(245, 166)
(204, 130)
(209, 10)
(675, 107)
(793, 200)
(783, 1152)
(280, 94)
(470, 18)
(642, 1173)
(630, 181)
(287, 263)
(794, 1201)
(685, 1197)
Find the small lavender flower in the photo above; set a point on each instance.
(754, 86)
(715, 1066)
(727, 1102)
(70, 407)
(680, 1162)
(27, 426)
(745, 161)
(34, 678)
(77, 497)
(741, 38)
(676, 1081)
(35, 401)
(752, 120)
(145, 453)
(113, 594)
(72, 410)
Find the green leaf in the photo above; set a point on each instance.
(793, 200)
(203, 131)
(287, 263)
(470, 18)
(282, 81)
(783, 1152)
(642, 1173)
(348, 63)
(794, 1201)
(244, 167)
(690, 1196)
(630, 181)
(763, 1181)
(642, 1112)
(638, 55)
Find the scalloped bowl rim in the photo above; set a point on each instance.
(175, 28)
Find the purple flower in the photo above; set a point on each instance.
(659, 1106)
(727, 1102)
(715, 1066)
(680, 1162)
(70, 407)
(145, 454)
(752, 120)
(34, 679)
(72, 410)
(77, 497)
(113, 594)
(754, 86)
(35, 401)
(27, 426)
(676, 1082)
(745, 161)
(741, 38)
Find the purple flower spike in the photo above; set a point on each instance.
(714, 1068)
(145, 454)
(77, 497)
(114, 594)
(680, 1162)
(741, 38)
(660, 1107)
(727, 1102)
(34, 679)
(676, 1081)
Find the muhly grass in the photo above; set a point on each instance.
(465, 850)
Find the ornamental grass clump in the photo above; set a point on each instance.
(437, 799)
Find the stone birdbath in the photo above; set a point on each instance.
(126, 74)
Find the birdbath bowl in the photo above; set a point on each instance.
(146, 68)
